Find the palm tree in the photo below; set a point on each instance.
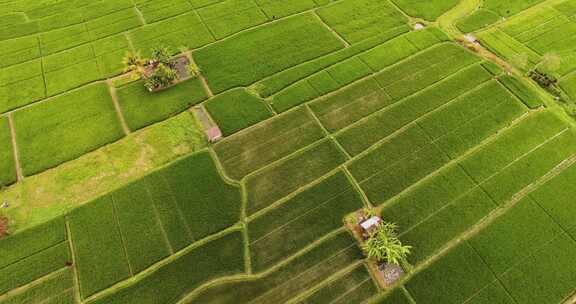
(134, 64)
(383, 245)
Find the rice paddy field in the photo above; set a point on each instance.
(423, 111)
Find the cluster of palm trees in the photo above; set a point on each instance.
(384, 246)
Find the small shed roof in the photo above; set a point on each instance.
(370, 223)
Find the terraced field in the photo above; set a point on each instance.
(114, 195)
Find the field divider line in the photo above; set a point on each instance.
(570, 299)
(203, 80)
(117, 107)
(15, 152)
(333, 31)
(486, 221)
(154, 267)
(324, 283)
(342, 296)
(22, 288)
(401, 11)
(326, 133)
(76, 274)
(52, 297)
(356, 185)
(140, 15)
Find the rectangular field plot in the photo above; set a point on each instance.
(237, 109)
(142, 233)
(530, 167)
(21, 84)
(142, 108)
(153, 11)
(428, 10)
(94, 228)
(271, 140)
(7, 164)
(170, 282)
(556, 197)
(30, 241)
(381, 124)
(20, 50)
(34, 266)
(513, 236)
(70, 69)
(253, 55)
(62, 39)
(447, 224)
(65, 127)
(356, 20)
(59, 284)
(302, 273)
(185, 30)
(230, 16)
(207, 202)
(453, 278)
(271, 184)
(277, 9)
(512, 144)
(341, 289)
(286, 229)
(552, 273)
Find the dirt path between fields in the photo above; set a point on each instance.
(19, 174)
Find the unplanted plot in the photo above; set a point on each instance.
(269, 185)
(271, 140)
(298, 275)
(237, 109)
(172, 281)
(285, 230)
(142, 108)
(94, 229)
(255, 54)
(65, 128)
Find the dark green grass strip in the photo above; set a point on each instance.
(452, 279)
(300, 274)
(299, 221)
(552, 273)
(237, 109)
(275, 182)
(449, 222)
(335, 289)
(514, 235)
(142, 108)
(39, 292)
(99, 252)
(34, 267)
(170, 282)
(253, 55)
(207, 202)
(526, 94)
(30, 241)
(65, 128)
(170, 215)
(271, 140)
(143, 237)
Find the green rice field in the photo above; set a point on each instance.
(454, 119)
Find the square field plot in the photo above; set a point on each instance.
(142, 108)
(65, 128)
